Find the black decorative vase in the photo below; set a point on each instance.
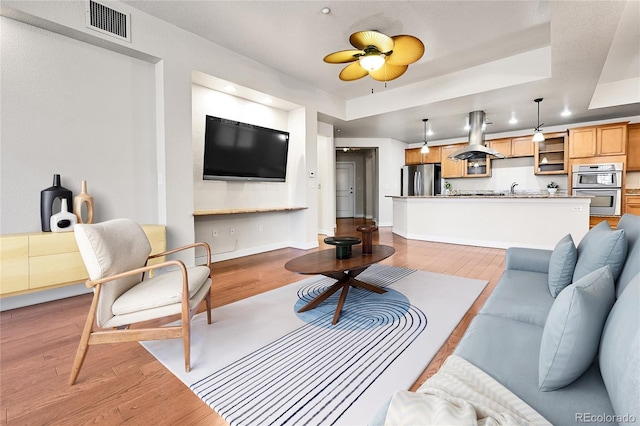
(48, 197)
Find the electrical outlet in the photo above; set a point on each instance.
(577, 208)
(214, 233)
(232, 231)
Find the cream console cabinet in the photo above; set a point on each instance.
(43, 260)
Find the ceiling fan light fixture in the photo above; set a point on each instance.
(372, 61)
(538, 136)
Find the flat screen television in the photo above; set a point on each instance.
(244, 152)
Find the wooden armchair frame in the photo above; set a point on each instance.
(91, 337)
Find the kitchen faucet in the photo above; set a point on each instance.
(513, 186)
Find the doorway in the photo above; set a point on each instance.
(345, 189)
(365, 184)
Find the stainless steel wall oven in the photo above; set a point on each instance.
(602, 182)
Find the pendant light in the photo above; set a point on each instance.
(538, 136)
(425, 147)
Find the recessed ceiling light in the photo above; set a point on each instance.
(565, 113)
(513, 120)
(229, 89)
(429, 132)
(267, 100)
(326, 11)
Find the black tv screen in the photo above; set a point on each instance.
(241, 151)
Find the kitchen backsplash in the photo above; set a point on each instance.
(633, 180)
(506, 171)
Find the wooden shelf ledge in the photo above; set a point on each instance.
(245, 210)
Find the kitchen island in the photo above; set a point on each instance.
(492, 220)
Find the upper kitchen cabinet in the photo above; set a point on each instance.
(503, 146)
(433, 156)
(522, 147)
(633, 147)
(462, 168)
(415, 156)
(514, 147)
(550, 156)
(595, 141)
(412, 156)
(450, 168)
(480, 167)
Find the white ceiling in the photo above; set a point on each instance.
(496, 56)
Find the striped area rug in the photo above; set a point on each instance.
(262, 363)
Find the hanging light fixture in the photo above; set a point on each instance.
(538, 136)
(425, 147)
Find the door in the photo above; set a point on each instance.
(345, 184)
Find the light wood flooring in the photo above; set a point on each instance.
(124, 384)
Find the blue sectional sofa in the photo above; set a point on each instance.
(506, 336)
(561, 330)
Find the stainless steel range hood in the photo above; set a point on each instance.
(476, 148)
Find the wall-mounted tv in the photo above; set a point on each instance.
(241, 151)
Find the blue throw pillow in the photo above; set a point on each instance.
(561, 265)
(571, 334)
(601, 246)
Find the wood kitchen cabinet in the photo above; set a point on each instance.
(514, 147)
(477, 168)
(503, 146)
(633, 148)
(450, 168)
(412, 156)
(415, 156)
(595, 141)
(433, 156)
(632, 204)
(522, 147)
(550, 156)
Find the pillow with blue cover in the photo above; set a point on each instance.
(571, 334)
(562, 264)
(601, 246)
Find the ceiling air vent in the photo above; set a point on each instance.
(108, 21)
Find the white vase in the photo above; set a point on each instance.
(63, 221)
(552, 191)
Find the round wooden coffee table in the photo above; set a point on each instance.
(324, 262)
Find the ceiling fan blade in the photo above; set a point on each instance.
(343, 56)
(388, 72)
(353, 72)
(363, 39)
(407, 50)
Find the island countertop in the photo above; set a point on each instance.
(497, 195)
(501, 221)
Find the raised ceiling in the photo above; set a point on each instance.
(496, 56)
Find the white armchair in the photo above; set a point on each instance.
(115, 254)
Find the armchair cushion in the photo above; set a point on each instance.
(162, 290)
(101, 246)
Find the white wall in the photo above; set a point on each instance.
(252, 232)
(83, 112)
(326, 180)
(155, 116)
(215, 194)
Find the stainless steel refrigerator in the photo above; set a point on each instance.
(422, 179)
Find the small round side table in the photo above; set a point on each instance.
(367, 238)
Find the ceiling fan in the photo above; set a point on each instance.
(382, 57)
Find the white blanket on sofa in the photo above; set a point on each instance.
(460, 394)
